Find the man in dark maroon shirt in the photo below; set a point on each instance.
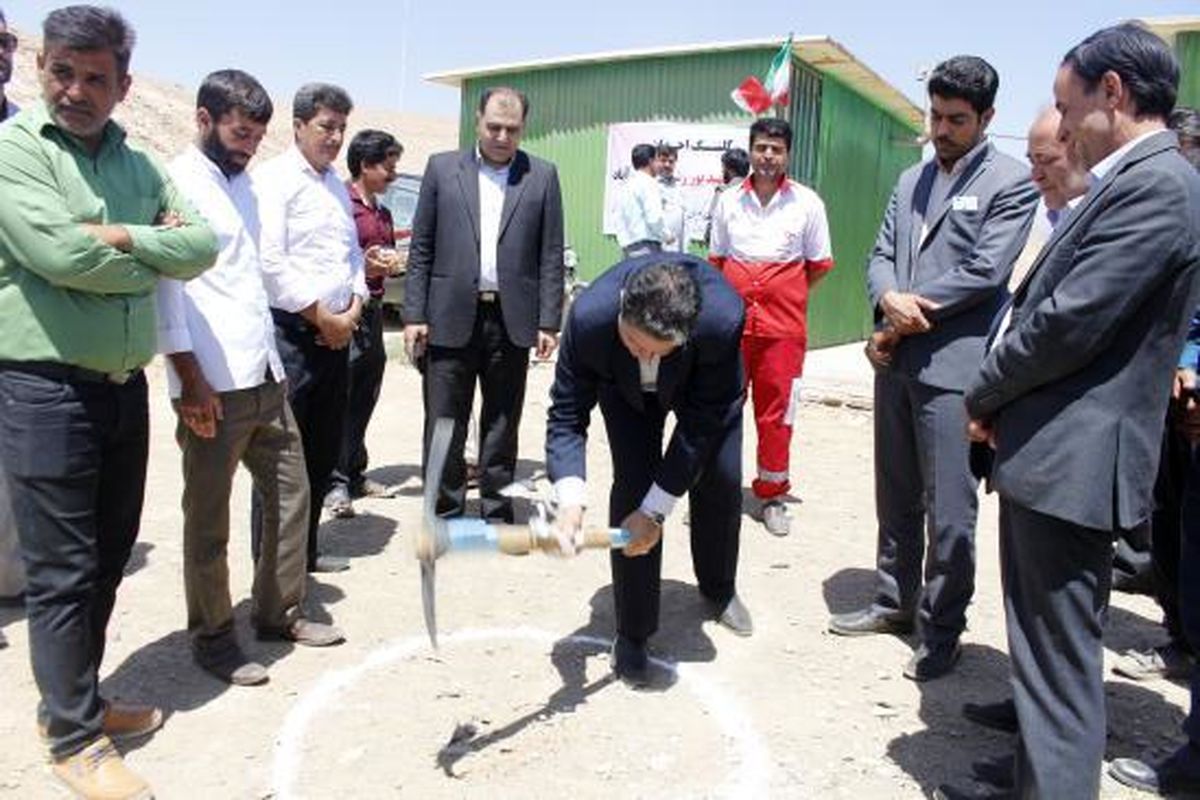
(372, 159)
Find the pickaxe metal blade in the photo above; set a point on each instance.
(430, 539)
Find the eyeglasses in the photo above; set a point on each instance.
(8, 42)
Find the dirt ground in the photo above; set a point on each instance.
(519, 703)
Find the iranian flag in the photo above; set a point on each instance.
(755, 96)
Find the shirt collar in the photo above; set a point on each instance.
(302, 163)
(781, 186)
(1105, 165)
(112, 135)
(967, 158)
(479, 162)
(201, 161)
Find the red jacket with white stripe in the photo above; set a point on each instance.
(772, 254)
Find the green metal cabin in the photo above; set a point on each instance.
(1183, 34)
(854, 134)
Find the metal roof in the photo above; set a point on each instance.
(820, 52)
(1167, 27)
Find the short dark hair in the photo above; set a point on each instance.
(231, 89)
(370, 147)
(1145, 64)
(91, 28)
(736, 161)
(967, 78)
(1186, 123)
(663, 300)
(489, 92)
(664, 149)
(312, 97)
(771, 128)
(641, 155)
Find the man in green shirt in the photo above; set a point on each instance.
(88, 225)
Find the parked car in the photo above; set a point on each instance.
(401, 199)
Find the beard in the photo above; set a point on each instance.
(228, 161)
(5, 72)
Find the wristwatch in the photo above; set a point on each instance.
(657, 517)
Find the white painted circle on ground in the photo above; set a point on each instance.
(750, 779)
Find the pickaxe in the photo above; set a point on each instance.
(439, 535)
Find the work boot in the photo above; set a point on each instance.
(97, 772)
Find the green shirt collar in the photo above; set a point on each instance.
(41, 121)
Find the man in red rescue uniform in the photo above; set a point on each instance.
(771, 239)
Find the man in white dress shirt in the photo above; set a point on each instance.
(313, 271)
(227, 384)
(640, 224)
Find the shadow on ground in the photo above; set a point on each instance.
(162, 673)
(683, 640)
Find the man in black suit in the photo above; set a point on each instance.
(485, 284)
(1074, 393)
(654, 334)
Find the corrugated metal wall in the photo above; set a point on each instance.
(1187, 49)
(572, 106)
(863, 149)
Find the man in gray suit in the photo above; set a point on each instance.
(1074, 393)
(936, 278)
(485, 284)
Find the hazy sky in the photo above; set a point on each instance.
(379, 50)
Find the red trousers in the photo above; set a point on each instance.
(773, 369)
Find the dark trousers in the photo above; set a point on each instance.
(1188, 591)
(316, 384)
(367, 361)
(1056, 578)
(75, 455)
(635, 439)
(450, 375)
(926, 503)
(1170, 491)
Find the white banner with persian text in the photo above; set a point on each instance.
(698, 170)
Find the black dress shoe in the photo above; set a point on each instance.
(631, 662)
(1001, 716)
(869, 620)
(999, 772)
(928, 663)
(734, 616)
(1177, 776)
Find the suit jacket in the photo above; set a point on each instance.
(701, 381)
(443, 260)
(1078, 385)
(963, 263)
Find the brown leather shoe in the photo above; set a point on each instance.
(305, 632)
(129, 721)
(123, 721)
(97, 772)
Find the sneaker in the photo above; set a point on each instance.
(1169, 661)
(97, 772)
(776, 518)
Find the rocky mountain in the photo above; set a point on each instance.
(160, 116)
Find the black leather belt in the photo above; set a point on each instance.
(70, 373)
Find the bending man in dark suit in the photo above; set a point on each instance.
(1074, 393)
(936, 277)
(655, 334)
(485, 284)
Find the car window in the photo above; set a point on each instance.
(401, 199)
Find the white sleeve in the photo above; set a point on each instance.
(173, 334)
